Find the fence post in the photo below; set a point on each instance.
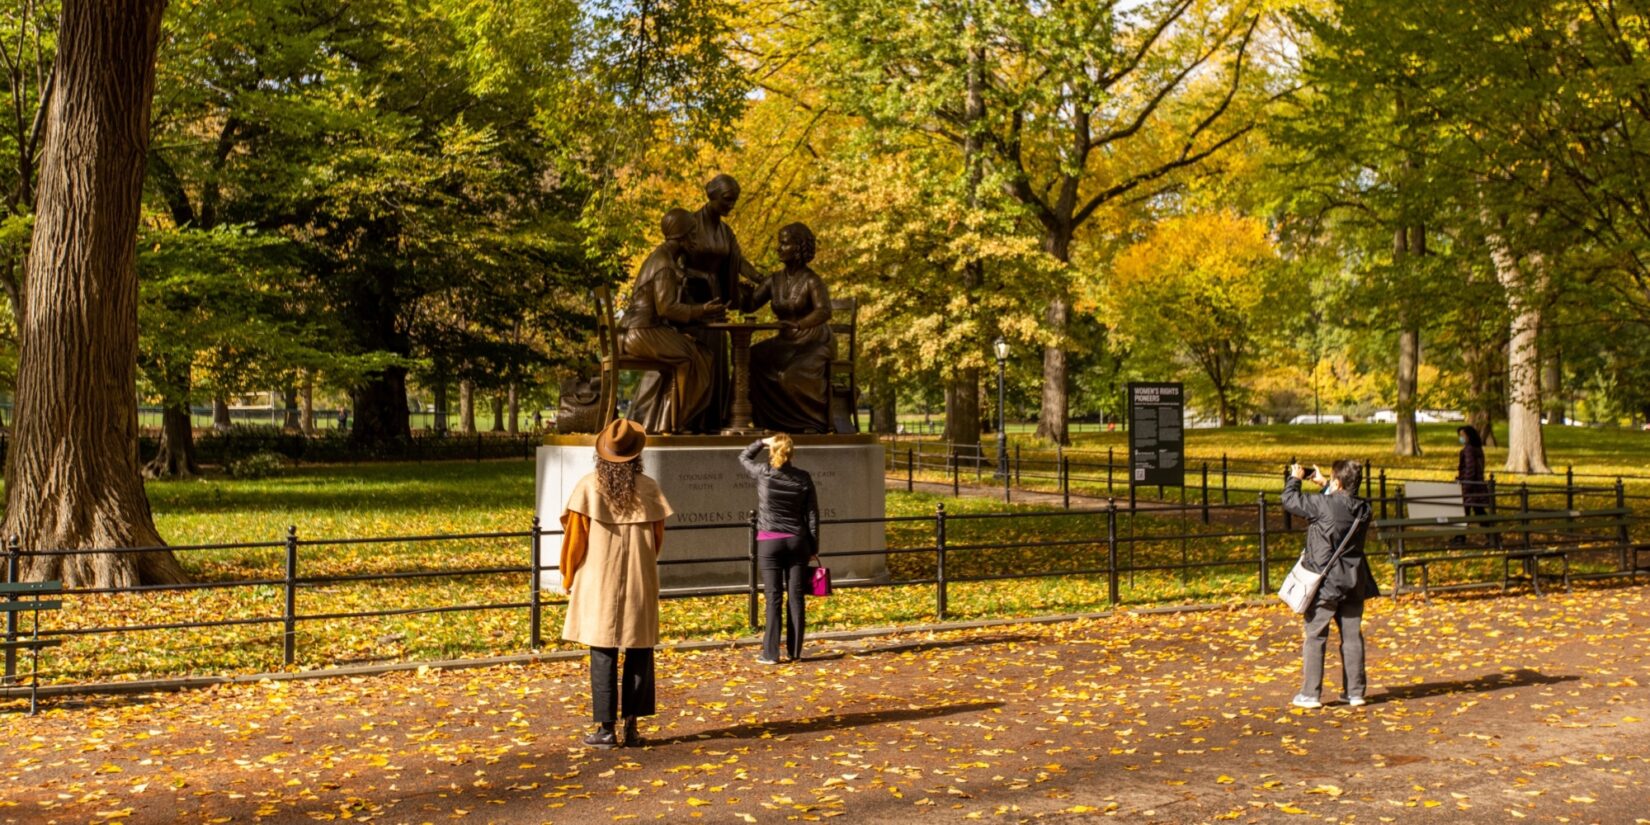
(289, 638)
(1369, 477)
(1383, 492)
(1288, 518)
(534, 598)
(1016, 464)
(1065, 480)
(1524, 507)
(1491, 485)
(1265, 564)
(1111, 551)
(910, 470)
(956, 464)
(1205, 492)
(1623, 537)
(14, 557)
(1109, 466)
(1569, 487)
(1224, 499)
(751, 606)
(1008, 487)
(939, 561)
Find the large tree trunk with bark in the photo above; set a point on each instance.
(220, 413)
(1482, 364)
(73, 480)
(380, 404)
(884, 406)
(962, 415)
(1407, 242)
(513, 420)
(291, 418)
(498, 414)
(175, 454)
(467, 407)
(1552, 389)
(306, 401)
(1526, 449)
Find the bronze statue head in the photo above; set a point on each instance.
(678, 225)
(796, 244)
(721, 193)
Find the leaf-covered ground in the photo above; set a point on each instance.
(1483, 710)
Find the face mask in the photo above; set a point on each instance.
(1461, 438)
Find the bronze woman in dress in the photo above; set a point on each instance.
(788, 371)
(649, 331)
(715, 268)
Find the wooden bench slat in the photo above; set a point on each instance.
(29, 605)
(31, 587)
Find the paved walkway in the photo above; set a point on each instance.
(1483, 710)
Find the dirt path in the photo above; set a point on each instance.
(1483, 710)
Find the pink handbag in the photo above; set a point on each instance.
(822, 581)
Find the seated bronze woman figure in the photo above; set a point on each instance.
(788, 392)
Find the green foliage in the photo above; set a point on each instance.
(256, 466)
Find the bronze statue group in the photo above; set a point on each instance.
(695, 277)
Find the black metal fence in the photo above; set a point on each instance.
(1136, 551)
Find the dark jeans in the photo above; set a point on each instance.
(1349, 615)
(607, 695)
(784, 566)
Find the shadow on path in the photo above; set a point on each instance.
(814, 724)
(1524, 677)
(939, 644)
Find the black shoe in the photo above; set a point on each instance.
(601, 738)
(632, 737)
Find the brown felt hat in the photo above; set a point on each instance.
(621, 441)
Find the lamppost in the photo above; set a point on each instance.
(1001, 348)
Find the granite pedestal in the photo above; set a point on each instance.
(707, 487)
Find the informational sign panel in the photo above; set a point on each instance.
(1157, 436)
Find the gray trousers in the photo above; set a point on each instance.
(1349, 615)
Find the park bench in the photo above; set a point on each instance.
(17, 598)
(1527, 538)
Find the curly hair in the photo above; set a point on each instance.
(804, 238)
(617, 483)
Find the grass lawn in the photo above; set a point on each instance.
(382, 500)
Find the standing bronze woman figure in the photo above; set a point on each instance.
(788, 371)
(714, 268)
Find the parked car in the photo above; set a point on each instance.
(1383, 417)
(1318, 419)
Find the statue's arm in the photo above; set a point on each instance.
(667, 300)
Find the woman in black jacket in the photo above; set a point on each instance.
(1469, 470)
(1346, 584)
(787, 540)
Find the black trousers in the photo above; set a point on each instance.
(608, 695)
(784, 567)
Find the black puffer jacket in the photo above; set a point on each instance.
(1329, 518)
(785, 497)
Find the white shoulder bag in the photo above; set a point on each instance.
(1300, 587)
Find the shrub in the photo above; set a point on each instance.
(257, 465)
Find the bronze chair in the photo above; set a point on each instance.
(613, 362)
(841, 388)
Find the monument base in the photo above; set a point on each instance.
(712, 497)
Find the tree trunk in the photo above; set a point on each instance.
(498, 414)
(513, 421)
(1526, 451)
(1407, 242)
(291, 419)
(306, 401)
(962, 414)
(467, 407)
(884, 406)
(220, 413)
(1552, 390)
(1051, 422)
(1228, 413)
(73, 480)
(1481, 364)
(380, 404)
(175, 454)
(441, 405)
(962, 407)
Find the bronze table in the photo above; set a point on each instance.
(740, 335)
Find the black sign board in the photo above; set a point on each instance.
(1157, 437)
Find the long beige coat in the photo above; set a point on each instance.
(610, 566)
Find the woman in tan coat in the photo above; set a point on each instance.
(613, 528)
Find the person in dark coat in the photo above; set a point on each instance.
(787, 541)
(1346, 585)
(1469, 470)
